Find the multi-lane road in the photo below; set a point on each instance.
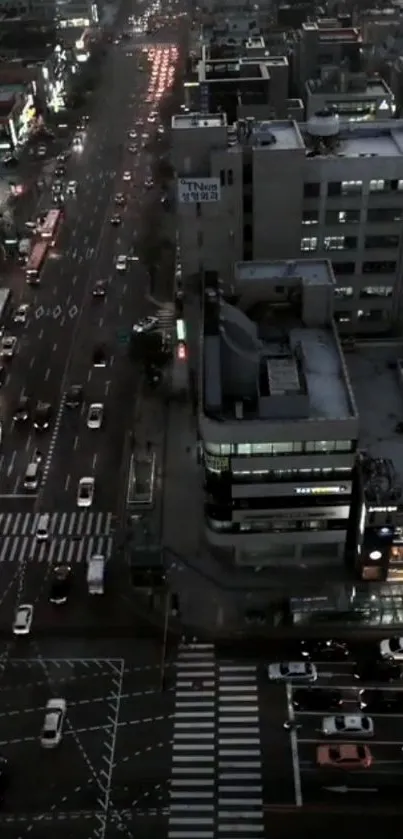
(66, 322)
(204, 752)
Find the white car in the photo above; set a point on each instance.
(21, 313)
(71, 188)
(95, 415)
(85, 493)
(146, 324)
(52, 730)
(23, 619)
(298, 671)
(392, 648)
(356, 724)
(77, 142)
(8, 345)
(121, 263)
(127, 176)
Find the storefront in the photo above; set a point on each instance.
(21, 123)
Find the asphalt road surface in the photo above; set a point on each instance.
(208, 753)
(113, 765)
(65, 323)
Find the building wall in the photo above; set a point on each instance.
(283, 204)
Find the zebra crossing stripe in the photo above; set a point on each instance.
(69, 551)
(77, 524)
(192, 789)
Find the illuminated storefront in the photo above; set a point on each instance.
(16, 127)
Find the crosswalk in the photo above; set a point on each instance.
(216, 788)
(166, 318)
(73, 537)
(71, 525)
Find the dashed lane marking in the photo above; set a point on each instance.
(79, 815)
(142, 752)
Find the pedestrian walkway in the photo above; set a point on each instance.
(53, 551)
(240, 787)
(216, 787)
(166, 318)
(192, 791)
(68, 525)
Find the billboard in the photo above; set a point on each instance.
(202, 191)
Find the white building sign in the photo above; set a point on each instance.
(203, 191)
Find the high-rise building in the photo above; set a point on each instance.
(277, 190)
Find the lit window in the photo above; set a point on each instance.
(376, 291)
(343, 291)
(334, 243)
(310, 217)
(376, 186)
(244, 448)
(309, 243)
(351, 187)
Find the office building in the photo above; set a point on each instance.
(277, 421)
(322, 45)
(376, 375)
(278, 190)
(228, 84)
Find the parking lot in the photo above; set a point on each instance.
(290, 758)
(115, 751)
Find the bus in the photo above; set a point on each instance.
(141, 485)
(5, 303)
(49, 227)
(35, 262)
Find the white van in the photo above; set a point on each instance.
(96, 574)
(32, 475)
(42, 530)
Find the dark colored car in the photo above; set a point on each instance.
(313, 699)
(371, 670)
(378, 702)
(325, 650)
(99, 356)
(22, 410)
(116, 219)
(74, 396)
(99, 289)
(42, 416)
(3, 374)
(60, 171)
(60, 585)
(119, 198)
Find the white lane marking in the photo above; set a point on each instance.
(294, 749)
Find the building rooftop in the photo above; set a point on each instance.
(194, 120)
(221, 70)
(263, 359)
(354, 86)
(333, 33)
(377, 371)
(311, 271)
